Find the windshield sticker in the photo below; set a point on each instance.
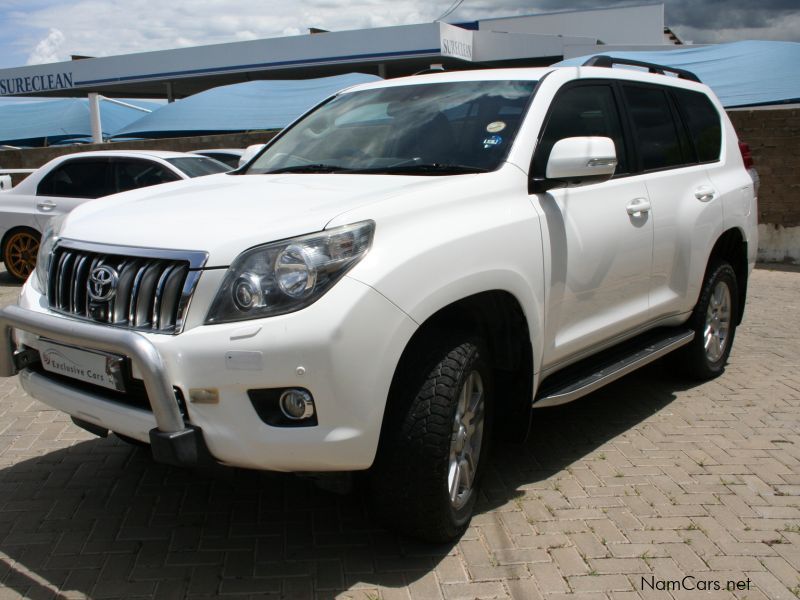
(495, 126)
(493, 140)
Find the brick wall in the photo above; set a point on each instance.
(774, 138)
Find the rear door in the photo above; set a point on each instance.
(686, 208)
(601, 249)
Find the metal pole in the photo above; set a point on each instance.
(94, 118)
(126, 104)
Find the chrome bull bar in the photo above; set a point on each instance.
(172, 441)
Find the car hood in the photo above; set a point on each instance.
(226, 214)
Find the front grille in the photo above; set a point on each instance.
(150, 293)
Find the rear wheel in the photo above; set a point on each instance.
(714, 323)
(425, 479)
(19, 253)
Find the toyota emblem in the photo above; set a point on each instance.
(102, 284)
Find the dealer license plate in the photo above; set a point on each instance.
(92, 367)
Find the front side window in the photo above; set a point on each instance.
(654, 127)
(584, 110)
(198, 166)
(78, 179)
(232, 160)
(132, 174)
(435, 128)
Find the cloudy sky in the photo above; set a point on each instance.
(37, 31)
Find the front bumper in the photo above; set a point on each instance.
(343, 349)
(172, 441)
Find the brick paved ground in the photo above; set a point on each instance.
(651, 477)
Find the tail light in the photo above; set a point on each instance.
(747, 156)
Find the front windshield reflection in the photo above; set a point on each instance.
(452, 127)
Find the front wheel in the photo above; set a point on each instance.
(714, 323)
(424, 481)
(19, 253)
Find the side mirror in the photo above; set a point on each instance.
(579, 160)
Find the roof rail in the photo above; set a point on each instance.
(609, 61)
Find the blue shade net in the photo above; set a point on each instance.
(47, 122)
(750, 73)
(250, 106)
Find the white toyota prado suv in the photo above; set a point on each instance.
(406, 271)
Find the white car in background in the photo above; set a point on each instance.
(67, 181)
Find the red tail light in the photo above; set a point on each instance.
(747, 156)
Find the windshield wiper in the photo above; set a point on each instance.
(313, 168)
(427, 169)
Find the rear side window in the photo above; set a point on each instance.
(584, 110)
(703, 122)
(654, 127)
(78, 179)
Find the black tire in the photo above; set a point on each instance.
(409, 482)
(698, 362)
(132, 441)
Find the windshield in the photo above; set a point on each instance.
(197, 167)
(436, 128)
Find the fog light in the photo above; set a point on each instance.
(296, 404)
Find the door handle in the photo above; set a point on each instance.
(46, 205)
(705, 193)
(638, 206)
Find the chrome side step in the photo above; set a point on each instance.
(619, 362)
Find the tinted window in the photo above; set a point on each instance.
(197, 167)
(132, 174)
(654, 127)
(586, 110)
(232, 160)
(703, 123)
(78, 179)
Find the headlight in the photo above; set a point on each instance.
(286, 276)
(49, 239)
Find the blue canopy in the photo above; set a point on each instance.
(53, 121)
(254, 105)
(747, 73)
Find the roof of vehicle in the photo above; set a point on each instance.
(528, 74)
(162, 154)
(231, 151)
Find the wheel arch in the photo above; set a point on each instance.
(731, 246)
(498, 318)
